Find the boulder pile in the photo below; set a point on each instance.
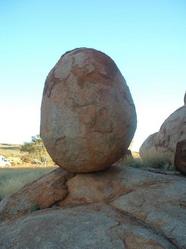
(164, 142)
(121, 207)
(88, 117)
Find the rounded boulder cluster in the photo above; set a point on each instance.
(171, 132)
(88, 117)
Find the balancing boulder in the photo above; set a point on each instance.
(88, 117)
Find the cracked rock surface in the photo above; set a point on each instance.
(121, 207)
(41, 193)
(94, 226)
(88, 117)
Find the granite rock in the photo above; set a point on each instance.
(88, 117)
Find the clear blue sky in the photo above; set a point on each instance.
(147, 40)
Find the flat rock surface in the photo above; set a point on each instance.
(134, 207)
(93, 226)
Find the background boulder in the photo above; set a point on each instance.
(171, 132)
(180, 157)
(148, 146)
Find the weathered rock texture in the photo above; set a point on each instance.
(94, 227)
(148, 146)
(39, 194)
(88, 117)
(185, 99)
(180, 157)
(135, 209)
(171, 132)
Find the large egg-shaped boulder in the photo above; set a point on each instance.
(88, 117)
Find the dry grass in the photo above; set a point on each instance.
(12, 179)
(19, 158)
(21, 173)
(152, 160)
(10, 150)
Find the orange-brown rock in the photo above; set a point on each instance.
(121, 207)
(41, 193)
(180, 157)
(85, 227)
(88, 117)
(171, 132)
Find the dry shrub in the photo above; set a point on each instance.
(15, 160)
(26, 158)
(158, 160)
(151, 160)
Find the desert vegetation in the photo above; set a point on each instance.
(12, 179)
(28, 162)
(35, 152)
(30, 154)
(151, 160)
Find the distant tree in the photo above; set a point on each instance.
(36, 149)
(27, 147)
